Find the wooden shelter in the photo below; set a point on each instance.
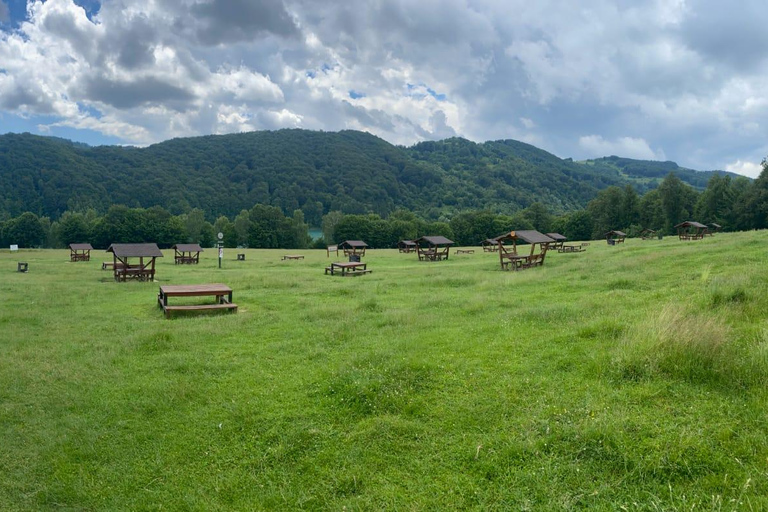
(615, 237)
(80, 252)
(433, 248)
(406, 246)
(353, 247)
(122, 267)
(489, 245)
(691, 230)
(508, 255)
(187, 254)
(647, 234)
(714, 228)
(559, 240)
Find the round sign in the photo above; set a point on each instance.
(220, 235)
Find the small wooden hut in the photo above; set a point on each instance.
(508, 255)
(615, 237)
(80, 252)
(559, 240)
(714, 228)
(691, 230)
(353, 247)
(489, 245)
(433, 248)
(124, 269)
(406, 246)
(187, 254)
(647, 234)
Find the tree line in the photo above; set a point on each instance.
(736, 204)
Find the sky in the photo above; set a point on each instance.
(681, 80)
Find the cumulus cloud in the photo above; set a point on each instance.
(750, 169)
(574, 78)
(628, 147)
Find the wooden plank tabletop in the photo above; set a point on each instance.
(348, 264)
(195, 289)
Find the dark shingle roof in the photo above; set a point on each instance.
(528, 235)
(557, 237)
(81, 247)
(188, 248)
(615, 232)
(691, 223)
(353, 243)
(435, 240)
(135, 250)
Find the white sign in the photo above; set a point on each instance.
(14, 248)
(220, 235)
(221, 252)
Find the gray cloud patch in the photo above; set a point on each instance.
(229, 21)
(144, 91)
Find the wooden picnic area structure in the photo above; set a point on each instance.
(406, 246)
(508, 255)
(292, 257)
(433, 248)
(221, 292)
(559, 240)
(714, 228)
(353, 247)
(691, 230)
(489, 245)
(347, 268)
(80, 252)
(186, 254)
(122, 267)
(648, 234)
(464, 251)
(614, 237)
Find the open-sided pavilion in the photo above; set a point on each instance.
(80, 252)
(406, 246)
(433, 248)
(353, 247)
(508, 255)
(614, 237)
(559, 240)
(691, 230)
(489, 245)
(187, 254)
(124, 269)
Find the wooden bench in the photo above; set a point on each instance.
(292, 257)
(571, 248)
(221, 292)
(345, 269)
(465, 251)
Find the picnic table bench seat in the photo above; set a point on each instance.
(221, 292)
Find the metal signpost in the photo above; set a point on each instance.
(220, 245)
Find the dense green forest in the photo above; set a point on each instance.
(315, 172)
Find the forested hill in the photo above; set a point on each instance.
(650, 173)
(349, 171)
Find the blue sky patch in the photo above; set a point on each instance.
(356, 95)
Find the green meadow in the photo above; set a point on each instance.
(622, 378)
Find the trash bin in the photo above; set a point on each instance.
(611, 241)
(661, 237)
(354, 258)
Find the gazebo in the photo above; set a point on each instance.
(406, 246)
(714, 228)
(615, 237)
(187, 254)
(124, 269)
(691, 230)
(559, 240)
(80, 252)
(647, 234)
(353, 247)
(433, 248)
(511, 260)
(489, 245)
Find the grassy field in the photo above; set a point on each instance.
(624, 378)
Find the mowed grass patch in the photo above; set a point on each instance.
(625, 377)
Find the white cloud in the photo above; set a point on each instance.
(687, 75)
(628, 147)
(750, 169)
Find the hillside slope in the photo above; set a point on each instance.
(350, 171)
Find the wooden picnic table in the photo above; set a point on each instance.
(292, 257)
(465, 251)
(571, 248)
(348, 268)
(222, 292)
